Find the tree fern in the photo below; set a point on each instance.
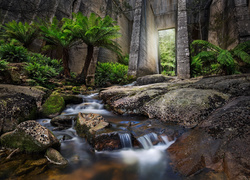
(57, 38)
(94, 31)
(22, 32)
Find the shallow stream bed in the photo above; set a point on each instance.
(147, 161)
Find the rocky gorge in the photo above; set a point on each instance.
(212, 115)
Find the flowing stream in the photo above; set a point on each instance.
(149, 162)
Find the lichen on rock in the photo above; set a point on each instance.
(30, 136)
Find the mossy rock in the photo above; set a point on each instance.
(53, 106)
(30, 137)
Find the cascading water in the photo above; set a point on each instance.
(125, 139)
(147, 163)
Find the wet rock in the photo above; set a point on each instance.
(55, 157)
(107, 141)
(97, 131)
(53, 106)
(30, 136)
(63, 121)
(88, 124)
(187, 106)
(151, 79)
(220, 143)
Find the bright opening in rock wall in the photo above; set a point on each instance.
(167, 51)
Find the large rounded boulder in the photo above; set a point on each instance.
(30, 136)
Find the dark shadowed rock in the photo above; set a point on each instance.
(30, 136)
(63, 121)
(17, 104)
(220, 143)
(107, 141)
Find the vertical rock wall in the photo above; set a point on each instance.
(243, 19)
(183, 61)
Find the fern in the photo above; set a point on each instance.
(22, 32)
(212, 59)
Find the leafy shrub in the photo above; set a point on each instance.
(24, 33)
(12, 53)
(124, 60)
(41, 69)
(114, 73)
(211, 59)
(3, 65)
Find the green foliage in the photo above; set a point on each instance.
(41, 69)
(22, 32)
(167, 51)
(114, 73)
(12, 53)
(3, 65)
(124, 60)
(211, 59)
(95, 31)
(242, 51)
(57, 37)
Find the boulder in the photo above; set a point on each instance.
(63, 121)
(53, 106)
(72, 99)
(88, 124)
(30, 136)
(96, 130)
(220, 143)
(17, 104)
(55, 157)
(16, 109)
(187, 106)
(151, 79)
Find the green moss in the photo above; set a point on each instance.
(21, 141)
(53, 105)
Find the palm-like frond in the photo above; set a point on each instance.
(54, 33)
(242, 51)
(213, 59)
(96, 31)
(22, 32)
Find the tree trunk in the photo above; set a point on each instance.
(88, 59)
(65, 59)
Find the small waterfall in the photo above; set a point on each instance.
(167, 143)
(147, 140)
(125, 139)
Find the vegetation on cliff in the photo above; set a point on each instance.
(212, 59)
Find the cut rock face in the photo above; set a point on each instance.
(30, 136)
